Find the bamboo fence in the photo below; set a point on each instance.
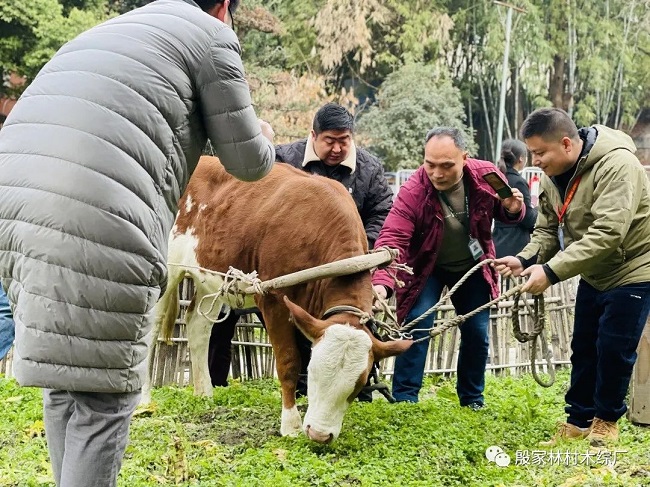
(252, 356)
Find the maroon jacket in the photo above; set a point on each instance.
(414, 226)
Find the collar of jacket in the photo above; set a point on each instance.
(310, 155)
(512, 170)
(589, 136)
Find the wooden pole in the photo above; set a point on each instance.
(639, 411)
(338, 268)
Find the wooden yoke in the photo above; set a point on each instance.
(343, 267)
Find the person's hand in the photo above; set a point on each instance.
(381, 294)
(267, 130)
(508, 266)
(537, 281)
(380, 290)
(515, 202)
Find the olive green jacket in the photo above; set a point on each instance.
(606, 225)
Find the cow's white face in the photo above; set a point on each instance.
(338, 368)
(341, 359)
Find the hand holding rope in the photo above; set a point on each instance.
(538, 315)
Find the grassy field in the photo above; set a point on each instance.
(232, 439)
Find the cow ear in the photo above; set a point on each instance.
(311, 327)
(382, 350)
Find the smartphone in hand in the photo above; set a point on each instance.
(498, 184)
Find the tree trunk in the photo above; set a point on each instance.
(572, 46)
(515, 101)
(556, 83)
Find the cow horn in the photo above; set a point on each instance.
(343, 267)
(311, 327)
(382, 350)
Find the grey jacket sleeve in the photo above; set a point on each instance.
(229, 118)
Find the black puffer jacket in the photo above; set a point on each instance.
(367, 185)
(510, 239)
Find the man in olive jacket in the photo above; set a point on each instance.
(594, 221)
(93, 160)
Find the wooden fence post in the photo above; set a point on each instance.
(640, 396)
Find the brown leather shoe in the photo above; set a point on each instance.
(603, 432)
(566, 431)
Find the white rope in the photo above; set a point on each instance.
(233, 277)
(229, 286)
(199, 268)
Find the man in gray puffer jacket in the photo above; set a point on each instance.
(93, 160)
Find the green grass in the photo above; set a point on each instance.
(233, 439)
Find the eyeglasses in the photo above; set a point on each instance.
(232, 19)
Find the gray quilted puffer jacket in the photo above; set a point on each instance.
(93, 160)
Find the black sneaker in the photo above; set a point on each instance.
(475, 406)
(365, 395)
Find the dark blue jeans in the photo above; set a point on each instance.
(7, 327)
(606, 333)
(472, 357)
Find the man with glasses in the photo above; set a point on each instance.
(94, 158)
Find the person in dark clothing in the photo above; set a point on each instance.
(510, 238)
(329, 151)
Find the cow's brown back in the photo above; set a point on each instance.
(289, 220)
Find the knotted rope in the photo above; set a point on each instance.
(457, 320)
(406, 331)
(231, 280)
(251, 284)
(538, 315)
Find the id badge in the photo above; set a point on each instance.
(560, 235)
(475, 248)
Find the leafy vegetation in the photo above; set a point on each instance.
(395, 126)
(588, 58)
(232, 439)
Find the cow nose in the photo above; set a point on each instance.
(317, 436)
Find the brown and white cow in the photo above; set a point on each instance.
(288, 221)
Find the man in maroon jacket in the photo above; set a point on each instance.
(441, 223)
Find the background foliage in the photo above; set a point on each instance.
(396, 124)
(590, 58)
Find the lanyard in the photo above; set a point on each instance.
(444, 198)
(567, 200)
(474, 245)
(562, 211)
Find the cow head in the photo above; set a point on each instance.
(341, 359)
